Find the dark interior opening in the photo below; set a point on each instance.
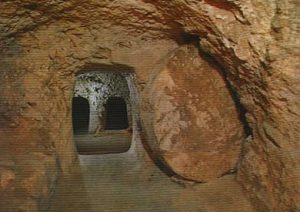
(80, 115)
(189, 38)
(116, 114)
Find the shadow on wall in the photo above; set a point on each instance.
(112, 68)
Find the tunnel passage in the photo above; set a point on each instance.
(116, 114)
(80, 115)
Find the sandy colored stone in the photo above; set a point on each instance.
(256, 42)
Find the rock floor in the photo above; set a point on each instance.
(119, 183)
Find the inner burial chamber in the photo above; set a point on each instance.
(116, 114)
(108, 96)
(80, 115)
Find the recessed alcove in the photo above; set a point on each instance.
(116, 114)
(80, 115)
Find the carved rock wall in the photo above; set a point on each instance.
(37, 81)
(44, 43)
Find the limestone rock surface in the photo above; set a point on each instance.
(44, 43)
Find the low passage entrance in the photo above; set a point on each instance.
(102, 112)
(116, 114)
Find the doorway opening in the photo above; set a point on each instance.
(80, 115)
(109, 123)
(116, 114)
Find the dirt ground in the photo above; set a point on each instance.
(120, 183)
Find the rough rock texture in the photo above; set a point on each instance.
(40, 122)
(195, 122)
(44, 43)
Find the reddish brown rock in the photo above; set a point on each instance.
(195, 120)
